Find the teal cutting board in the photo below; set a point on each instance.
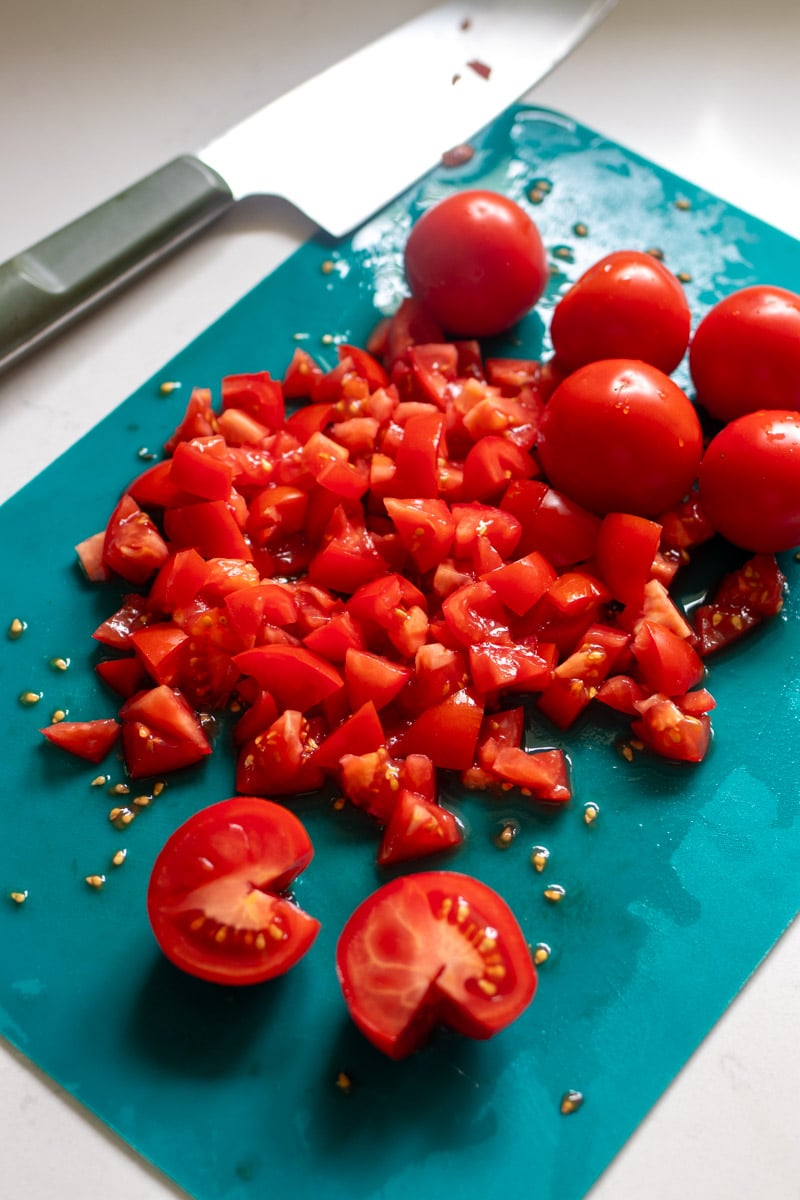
(672, 895)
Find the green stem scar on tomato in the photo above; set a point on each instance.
(434, 948)
(216, 899)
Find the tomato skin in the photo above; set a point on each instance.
(476, 262)
(627, 305)
(749, 481)
(745, 353)
(620, 436)
(224, 870)
(412, 957)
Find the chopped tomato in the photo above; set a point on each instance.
(435, 948)
(216, 899)
(160, 733)
(417, 828)
(91, 740)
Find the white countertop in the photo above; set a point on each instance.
(92, 96)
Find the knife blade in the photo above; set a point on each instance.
(405, 99)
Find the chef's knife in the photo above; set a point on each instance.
(415, 93)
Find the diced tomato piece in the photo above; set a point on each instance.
(666, 662)
(92, 740)
(425, 528)
(520, 583)
(474, 614)
(301, 375)
(258, 394)
(447, 733)
(209, 527)
(473, 520)
(364, 364)
(203, 467)
(123, 675)
(360, 733)
(373, 677)
(625, 550)
(504, 728)
(160, 733)
(491, 465)
(116, 630)
(90, 557)
(417, 828)
(155, 489)
(556, 526)
(159, 648)
(199, 419)
(132, 547)
(296, 677)
(543, 773)
(671, 733)
(622, 693)
(509, 668)
(279, 761)
(336, 638)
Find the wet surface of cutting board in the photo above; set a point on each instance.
(672, 895)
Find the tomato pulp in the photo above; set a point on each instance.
(216, 898)
(433, 948)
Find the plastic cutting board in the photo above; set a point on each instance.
(672, 895)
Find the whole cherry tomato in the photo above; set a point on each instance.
(627, 305)
(475, 261)
(619, 435)
(745, 354)
(750, 481)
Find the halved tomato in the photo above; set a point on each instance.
(437, 947)
(215, 899)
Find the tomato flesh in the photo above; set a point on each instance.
(433, 948)
(215, 899)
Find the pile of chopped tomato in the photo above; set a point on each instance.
(367, 564)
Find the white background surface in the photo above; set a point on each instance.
(94, 94)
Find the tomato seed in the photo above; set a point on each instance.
(539, 857)
(571, 1101)
(555, 893)
(16, 629)
(95, 881)
(18, 897)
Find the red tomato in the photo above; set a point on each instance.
(750, 481)
(91, 740)
(428, 949)
(214, 898)
(745, 353)
(743, 599)
(620, 436)
(628, 305)
(476, 262)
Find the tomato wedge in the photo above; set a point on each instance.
(215, 897)
(428, 949)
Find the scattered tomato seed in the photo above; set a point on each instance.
(168, 387)
(16, 629)
(580, 230)
(683, 204)
(30, 698)
(539, 857)
(344, 1083)
(541, 953)
(95, 881)
(591, 811)
(328, 266)
(59, 715)
(118, 858)
(571, 1101)
(119, 789)
(99, 780)
(554, 893)
(19, 897)
(59, 664)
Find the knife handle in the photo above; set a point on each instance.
(45, 288)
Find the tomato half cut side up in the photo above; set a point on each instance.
(215, 897)
(428, 949)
